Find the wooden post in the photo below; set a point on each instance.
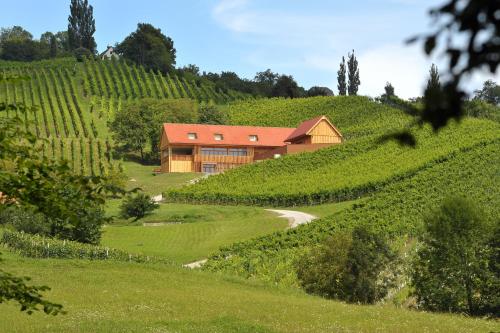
(169, 159)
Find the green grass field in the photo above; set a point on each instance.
(142, 176)
(123, 297)
(194, 232)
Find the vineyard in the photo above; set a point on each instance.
(72, 102)
(338, 173)
(396, 210)
(355, 116)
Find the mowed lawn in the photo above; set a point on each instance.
(125, 297)
(142, 176)
(191, 232)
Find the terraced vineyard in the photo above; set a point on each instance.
(117, 79)
(396, 210)
(355, 116)
(338, 173)
(74, 101)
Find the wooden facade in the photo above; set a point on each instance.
(191, 147)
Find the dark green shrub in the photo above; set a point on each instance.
(348, 267)
(137, 206)
(23, 219)
(456, 266)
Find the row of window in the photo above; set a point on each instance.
(220, 137)
(224, 151)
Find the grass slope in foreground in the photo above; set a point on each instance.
(338, 173)
(124, 297)
(396, 210)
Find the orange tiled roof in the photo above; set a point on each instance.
(232, 135)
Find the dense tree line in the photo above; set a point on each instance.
(18, 44)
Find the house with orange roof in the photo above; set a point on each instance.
(216, 148)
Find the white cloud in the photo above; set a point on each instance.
(311, 45)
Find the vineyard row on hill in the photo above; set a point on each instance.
(84, 156)
(57, 107)
(397, 210)
(118, 79)
(338, 173)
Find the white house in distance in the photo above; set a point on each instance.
(109, 53)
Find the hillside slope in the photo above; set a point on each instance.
(73, 102)
(338, 173)
(396, 210)
(127, 297)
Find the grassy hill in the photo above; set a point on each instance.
(74, 101)
(107, 296)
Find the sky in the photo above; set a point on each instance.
(302, 38)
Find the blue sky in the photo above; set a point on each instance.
(303, 38)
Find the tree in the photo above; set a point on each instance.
(452, 268)
(348, 266)
(490, 93)
(191, 68)
(389, 90)
(72, 204)
(18, 44)
(353, 74)
(149, 47)
(137, 125)
(265, 81)
(137, 206)
(319, 91)
(471, 33)
(15, 33)
(286, 86)
(81, 26)
(341, 79)
(22, 50)
(433, 82)
(211, 114)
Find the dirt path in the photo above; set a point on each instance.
(294, 217)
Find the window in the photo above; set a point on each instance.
(214, 151)
(253, 138)
(209, 168)
(218, 137)
(182, 151)
(237, 152)
(192, 136)
(210, 151)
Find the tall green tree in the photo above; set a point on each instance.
(341, 79)
(433, 82)
(452, 270)
(353, 74)
(149, 47)
(348, 266)
(389, 90)
(81, 26)
(137, 126)
(286, 86)
(490, 93)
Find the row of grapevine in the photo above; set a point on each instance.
(338, 173)
(86, 157)
(36, 246)
(396, 211)
(115, 78)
